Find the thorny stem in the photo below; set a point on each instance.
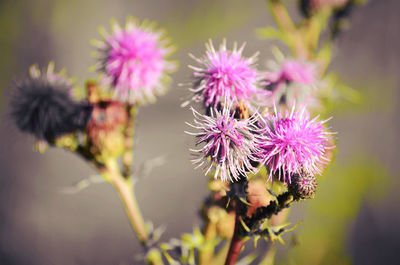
(234, 249)
(127, 156)
(283, 201)
(237, 241)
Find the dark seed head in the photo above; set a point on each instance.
(41, 105)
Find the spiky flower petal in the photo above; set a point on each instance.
(226, 74)
(135, 59)
(293, 143)
(228, 144)
(42, 104)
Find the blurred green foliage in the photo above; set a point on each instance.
(364, 96)
(344, 188)
(204, 21)
(10, 31)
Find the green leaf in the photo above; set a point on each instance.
(244, 224)
(256, 238)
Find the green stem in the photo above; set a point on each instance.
(281, 15)
(206, 254)
(220, 257)
(121, 182)
(124, 188)
(282, 18)
(125, 191)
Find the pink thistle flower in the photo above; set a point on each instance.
(292, 80)
(228, 143)
(294, 144)
(298, 72)
(226, 74)
(134, 60)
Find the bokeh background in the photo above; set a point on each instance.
(354, 218)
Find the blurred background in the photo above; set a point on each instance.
(354, 217)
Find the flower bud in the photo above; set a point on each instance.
(224, 221)
(303, 186)
(105, 129)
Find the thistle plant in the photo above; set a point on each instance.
(133, 68)
(257, 133)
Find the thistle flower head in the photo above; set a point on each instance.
(42, 104)
(293, 143)
(226, 74)
(303, 186)
(298, 72)
(134, 59)
(292, 81)
(228, 144)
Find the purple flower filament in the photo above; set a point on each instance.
(229, 144)
(226, 74)
(293, 144)
(134, 59)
